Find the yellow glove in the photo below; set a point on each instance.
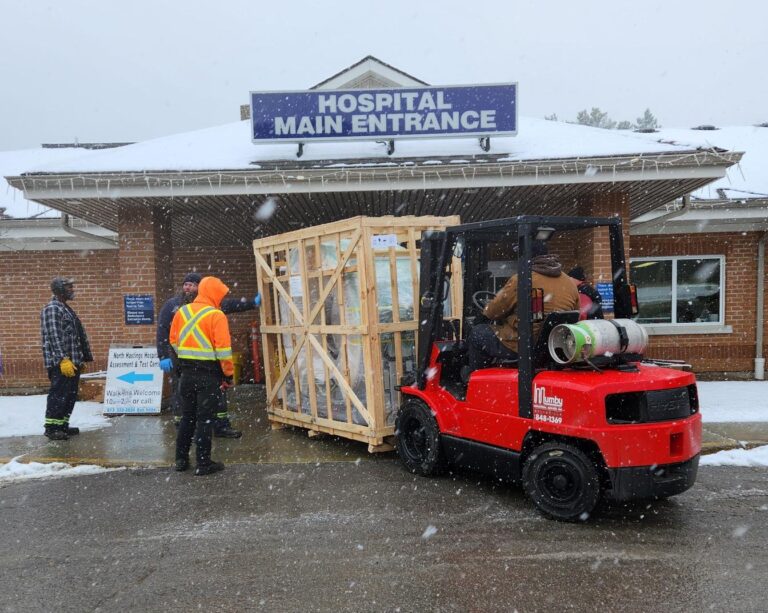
(67, 368)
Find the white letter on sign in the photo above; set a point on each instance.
(326, 103)
(359, 123)
(442, 105)
(285, 125)
(427, 102)
(488, 119)
(365, 103)
(383, 101)
(347, 103)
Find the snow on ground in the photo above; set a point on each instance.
(24, 416)
(15, 471)
(733, 401)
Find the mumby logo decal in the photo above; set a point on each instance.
(547, 407)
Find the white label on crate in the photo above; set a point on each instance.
(134, 381)
(295, 287)
(383, 241)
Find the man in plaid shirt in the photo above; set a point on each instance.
(65, 350)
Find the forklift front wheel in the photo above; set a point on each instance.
(417, 439)
(562, 481)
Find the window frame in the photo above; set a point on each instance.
(689, 325)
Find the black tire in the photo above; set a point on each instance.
(562, 481)
(417, 439)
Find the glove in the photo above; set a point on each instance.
(257, 300)
(226, 384)
(166, 365)
(68, 369)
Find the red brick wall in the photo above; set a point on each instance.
(145, 258)
(714, 352)
(26, 278)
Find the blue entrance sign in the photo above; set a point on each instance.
(139, 310)
(606, 293)
(410, 112)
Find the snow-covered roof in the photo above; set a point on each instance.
(547, 164)
(229, 147)
(14, 163)
(748, 179)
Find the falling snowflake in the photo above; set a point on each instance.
(266, 210)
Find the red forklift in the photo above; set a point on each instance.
(616, 427)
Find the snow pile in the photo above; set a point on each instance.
(15, 471)
(737, 457)
(25, 416)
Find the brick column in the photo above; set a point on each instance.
(146, 262)
(593, 250)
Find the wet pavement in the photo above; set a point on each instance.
(319, 524)
(368, 536)
(149, 440)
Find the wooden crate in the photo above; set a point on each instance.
(331, 362)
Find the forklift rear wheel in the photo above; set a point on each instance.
(562, 481)
(417, 439)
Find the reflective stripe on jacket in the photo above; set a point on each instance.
(200, 332)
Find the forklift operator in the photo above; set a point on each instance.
(489, 342)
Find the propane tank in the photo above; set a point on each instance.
(569, 343)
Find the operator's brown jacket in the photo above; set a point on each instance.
(560, 294)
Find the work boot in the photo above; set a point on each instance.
(57, 435)
(182, 464)
(72, 430)
(227, 432)
(208, 469)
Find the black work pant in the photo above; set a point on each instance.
(484, 347)
(221, 415)
(62, 396)
(199, 392)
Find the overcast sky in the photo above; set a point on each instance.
(97, 70)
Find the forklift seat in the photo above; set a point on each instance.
(541, 357)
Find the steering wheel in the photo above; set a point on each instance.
(482, 298)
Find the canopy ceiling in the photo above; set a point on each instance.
(222, 208)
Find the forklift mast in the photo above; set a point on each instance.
(436, 253)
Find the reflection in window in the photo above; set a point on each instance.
(679, 290)
(654, 290)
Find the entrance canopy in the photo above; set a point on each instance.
(214, 183)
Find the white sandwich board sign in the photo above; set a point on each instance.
(134, 381)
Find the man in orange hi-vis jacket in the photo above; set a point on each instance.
(200, 337)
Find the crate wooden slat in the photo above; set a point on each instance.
(338, 322)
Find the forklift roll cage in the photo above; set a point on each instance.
(436, 252)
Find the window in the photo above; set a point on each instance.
(680, 290)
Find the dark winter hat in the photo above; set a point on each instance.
(58, 284)
(193, 277)
(539, 248)
(577, 272)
